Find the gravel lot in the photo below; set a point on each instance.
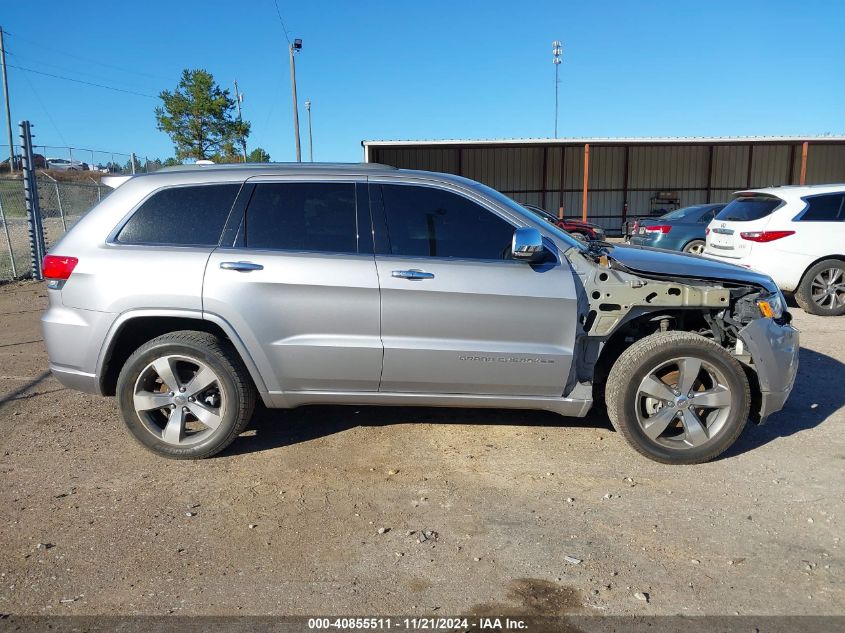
(289, 520)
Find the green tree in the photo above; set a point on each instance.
(199, 116)
(258, 155)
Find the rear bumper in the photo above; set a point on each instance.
(774, 350)
(73, 379)
(74, 338)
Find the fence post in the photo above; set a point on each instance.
(8, 240)
(30, 185)
(61, 209)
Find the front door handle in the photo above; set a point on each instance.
(243, 267)
(414, 275)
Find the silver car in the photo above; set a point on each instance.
(192, 292)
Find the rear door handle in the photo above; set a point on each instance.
(414, 275)
(243, 267)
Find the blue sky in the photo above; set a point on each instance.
(426, 70)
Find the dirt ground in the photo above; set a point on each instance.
(287, 521)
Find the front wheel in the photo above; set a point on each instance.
(185, 395)
(678, 398)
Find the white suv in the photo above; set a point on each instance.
(796, 235)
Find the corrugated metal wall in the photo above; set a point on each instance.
(552, 176)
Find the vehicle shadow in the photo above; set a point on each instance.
(276, 428)
(809, 404)
(807, 407)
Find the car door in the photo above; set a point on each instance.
(298, 286)
(458, 315)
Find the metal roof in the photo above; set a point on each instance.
(622, 140)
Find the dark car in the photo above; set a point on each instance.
(39, 162)
(577, 228)
(679, 230)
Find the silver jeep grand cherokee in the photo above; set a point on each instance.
(190, 292)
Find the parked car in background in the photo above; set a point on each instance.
(64, 164)
(39, 162)
(458, 296)
(579, 229)
(679, 230)
(796, 235)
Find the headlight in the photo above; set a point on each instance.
(771, 306)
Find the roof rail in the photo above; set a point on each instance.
(296, 166)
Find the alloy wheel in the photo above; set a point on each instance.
(683, 403)
(179, 399)
(828, 288)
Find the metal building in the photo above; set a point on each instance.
(607, 180)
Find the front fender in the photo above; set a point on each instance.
(774, 352)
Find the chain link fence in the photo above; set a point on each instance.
(62, 204)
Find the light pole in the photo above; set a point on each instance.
(6, 96)
(557, 52)
(310, 137)
(293, 48)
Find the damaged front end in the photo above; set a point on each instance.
(630, 293)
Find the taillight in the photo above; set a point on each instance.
(663, 228)
(58, 267)
(707, 231)
(765, 236)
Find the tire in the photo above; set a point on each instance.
(207, 397)
(695, 247)
(720, 379)
(816, 280)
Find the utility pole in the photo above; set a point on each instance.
(293, 48)
(310, 137)
(239, 97)
(557, 52)
(8, 108)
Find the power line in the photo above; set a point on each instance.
(65, 53)
(284, 28)
(30, 61)
(80, 81)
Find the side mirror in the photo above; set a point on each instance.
(527, 245)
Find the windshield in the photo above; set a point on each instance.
(749, 207)
(520, 210)
(687, 213)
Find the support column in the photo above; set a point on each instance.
(586, 180)
(805, 149)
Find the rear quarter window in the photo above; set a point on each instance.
(824, 208)
(181, 216)
(748, 208)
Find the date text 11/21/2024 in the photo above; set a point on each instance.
(418, 624)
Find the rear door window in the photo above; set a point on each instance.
(748, 208)
(302, 216)
(181, 216)
(432, 222)
(824, 208)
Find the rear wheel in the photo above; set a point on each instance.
(695, 247)
(822, 290)
(185, 395)
(678, 398)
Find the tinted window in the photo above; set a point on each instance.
(428, 222)
(830, 208)
(690, 214)
(183, 216)
(313, 216)
(708, 215)
(747, 208)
